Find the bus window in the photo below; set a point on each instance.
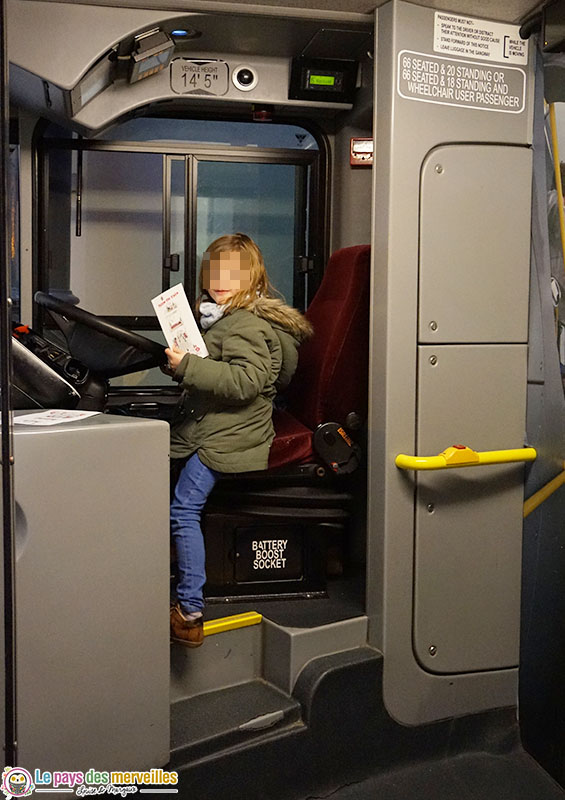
(126, 220)
(259, 200)
(211, 131)
(115, 242)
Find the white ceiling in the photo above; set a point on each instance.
(504, 10)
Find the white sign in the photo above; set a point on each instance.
(479, 38)
(54, 417)
(199, 77)
(269, 553)
(454, 82)
(177, 321)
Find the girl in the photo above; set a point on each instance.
(224, 419)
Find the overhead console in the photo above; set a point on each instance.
(86, 66)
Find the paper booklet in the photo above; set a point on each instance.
(53, 417)
(177, 321)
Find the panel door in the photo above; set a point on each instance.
(468, 523)
(475, 244)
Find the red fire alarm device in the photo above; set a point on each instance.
(361, 152)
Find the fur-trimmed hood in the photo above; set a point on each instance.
(289, 325)
(281, 316)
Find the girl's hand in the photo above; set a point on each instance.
(175, 356)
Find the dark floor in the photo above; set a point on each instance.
(473, 776)
(346, 599)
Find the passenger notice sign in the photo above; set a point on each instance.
(479, 38)
(458, 82)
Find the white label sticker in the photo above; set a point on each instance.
(479, 38)
(269, 553)
(53, 417)
(199, 77)
(454, 82)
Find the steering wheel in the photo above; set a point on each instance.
(104, 348)
(100, 325)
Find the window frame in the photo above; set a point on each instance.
(312, 163)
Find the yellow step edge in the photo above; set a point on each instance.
(232, 623)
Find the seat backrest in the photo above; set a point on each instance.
(332, 375)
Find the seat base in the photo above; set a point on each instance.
(292, 443)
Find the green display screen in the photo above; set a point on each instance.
(322, 80)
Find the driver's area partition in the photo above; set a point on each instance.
(452, 189)
(92, 593)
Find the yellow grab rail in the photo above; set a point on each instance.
(557, 170)
(231, 623)
(542, 494)
(458, 455)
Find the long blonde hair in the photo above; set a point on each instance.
(259, 285)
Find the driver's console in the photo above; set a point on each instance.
(46, 375)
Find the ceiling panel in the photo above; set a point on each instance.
(504, 10)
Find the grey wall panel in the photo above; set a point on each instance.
(469, 521)
(351, 219)
(352, 186)
(474, 244)
(122, 98)
(407, 129)
(77, 35)
(92, 585)
(40, 36)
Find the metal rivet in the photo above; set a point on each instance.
(433, 360)
(439, 169)
(433, 325)
(432, 649)
(431, 508)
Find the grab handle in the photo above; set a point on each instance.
(458, 455)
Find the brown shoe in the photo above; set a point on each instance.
(186, 631)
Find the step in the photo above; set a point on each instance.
(292, 632)
(211, 722)
(226, 659)
(287, 650)
(348, 737)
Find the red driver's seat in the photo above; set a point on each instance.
(330, 384)
(267, 533)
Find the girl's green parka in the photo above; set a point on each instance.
(225, 413)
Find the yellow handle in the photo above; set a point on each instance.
(542, 494)
(458, 455)
(557, 170)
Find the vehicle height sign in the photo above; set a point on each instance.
(199, 77)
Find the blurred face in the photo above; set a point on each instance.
(225, 274)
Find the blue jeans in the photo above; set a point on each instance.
(195, 483)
